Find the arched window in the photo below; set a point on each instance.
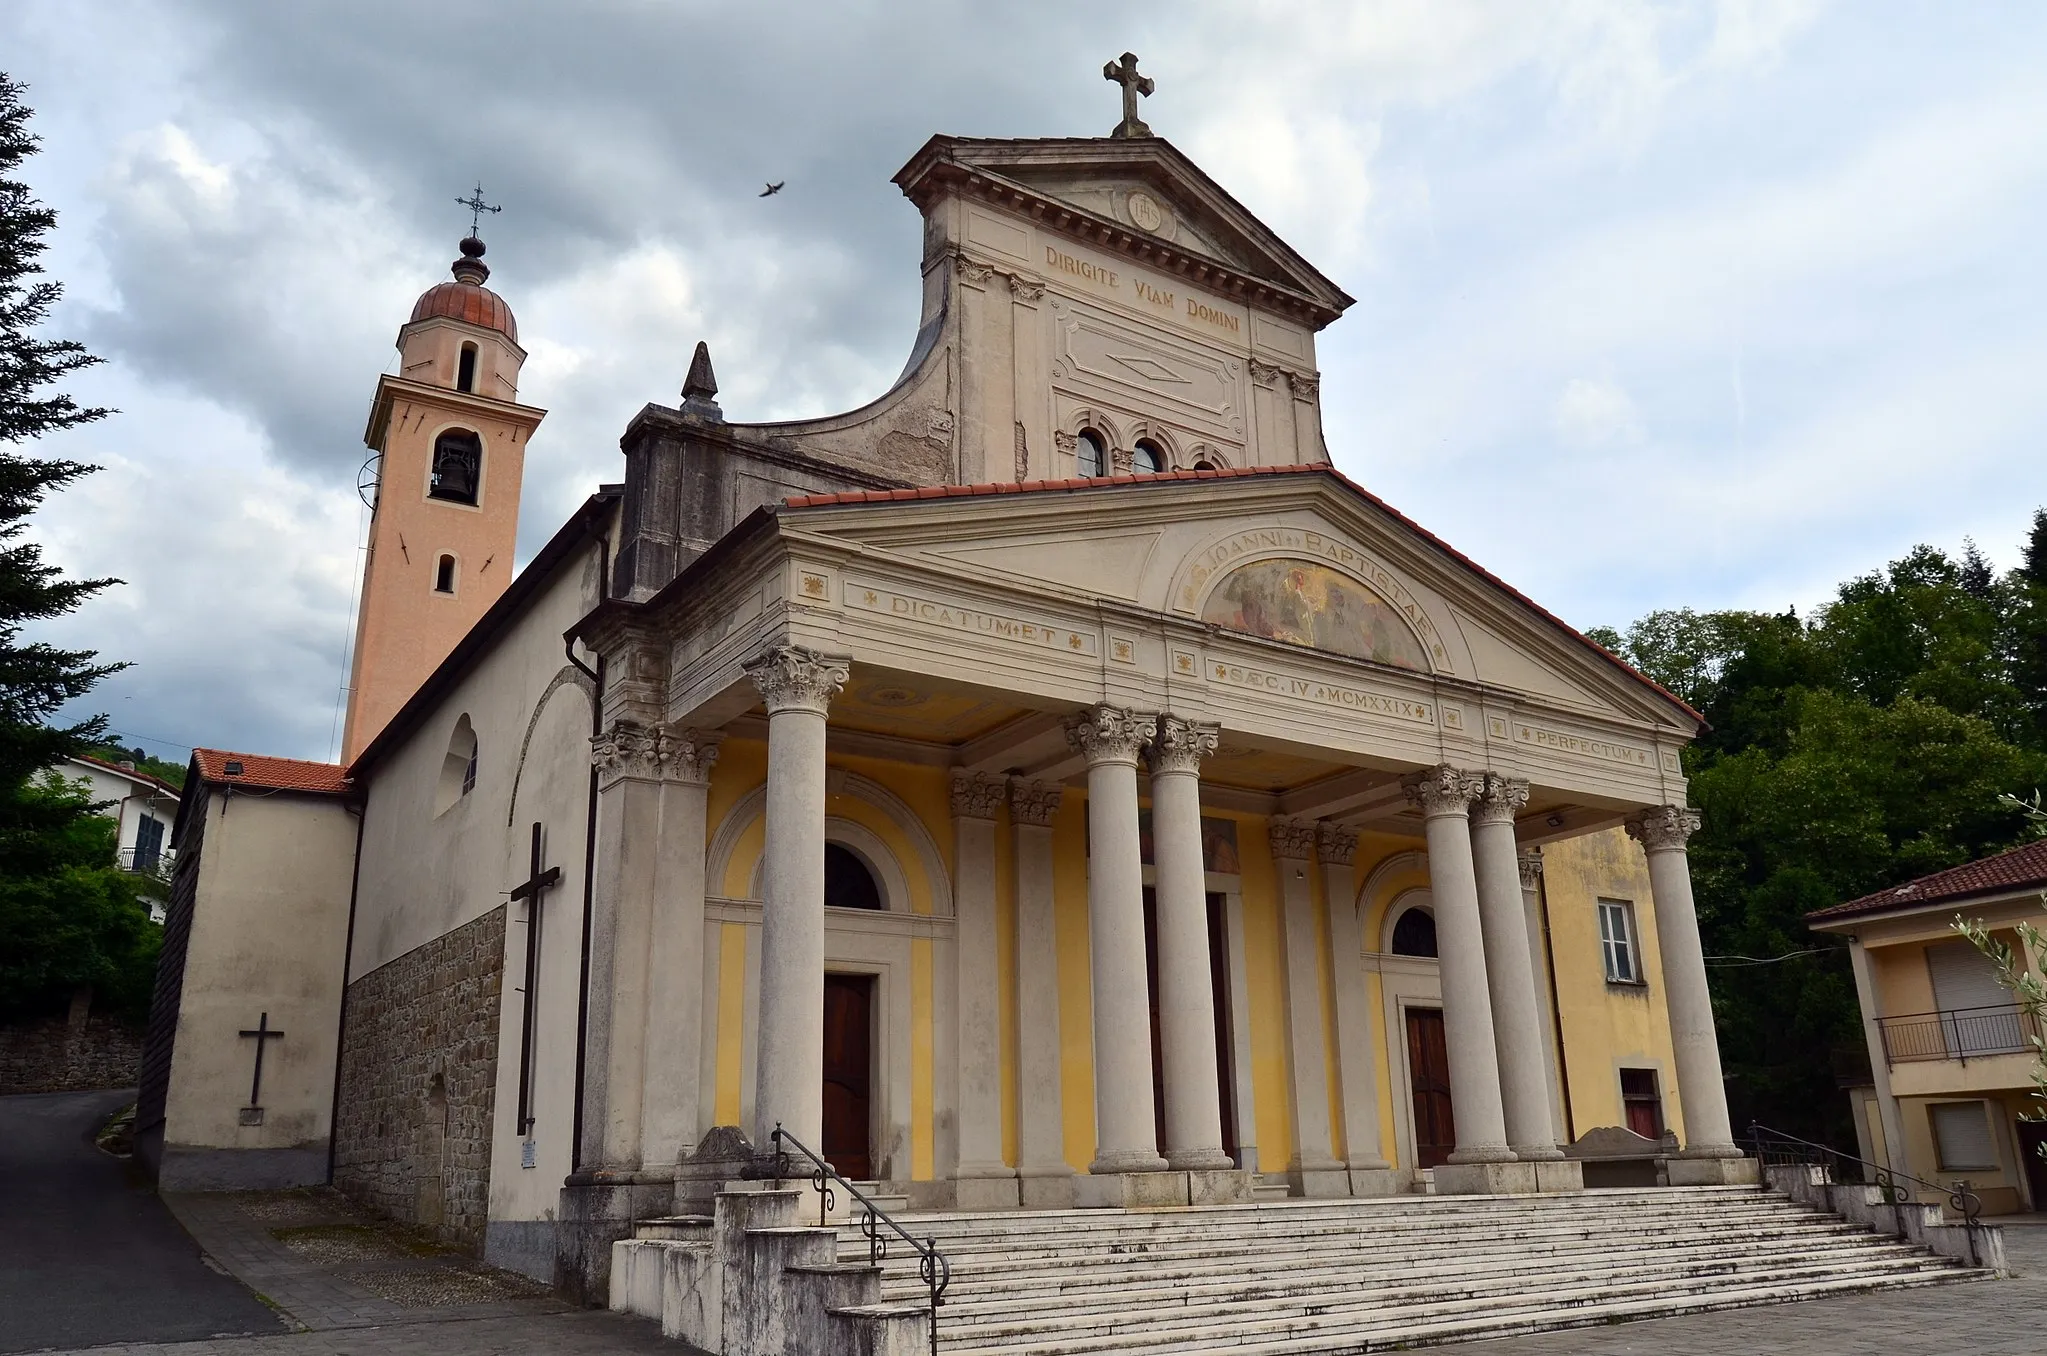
(848, 883)
(458, 466)
(1414, 933)
(465, 369)
(1204, 465)
(1146, 459)
(444, 575)
(458, 766)
(1092, 452)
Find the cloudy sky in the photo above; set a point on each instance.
(1708, 304)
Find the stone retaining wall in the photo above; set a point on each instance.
(419, 1079)
(47, 1056)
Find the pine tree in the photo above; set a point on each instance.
(35, 679)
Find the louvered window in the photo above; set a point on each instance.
(1961, 1134)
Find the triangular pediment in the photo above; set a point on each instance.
(1138, 196)
(1303, 559)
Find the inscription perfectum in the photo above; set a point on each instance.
(1585, 746)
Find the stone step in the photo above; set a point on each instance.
(1396, 1317)
(1090, 1293)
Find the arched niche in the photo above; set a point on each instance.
(891, 873)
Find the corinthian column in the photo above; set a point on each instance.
(1194, 1115)
(1125, 1132)
(985, 1181)
(1313, 1170)
(797, 685)
(675, 964)
(1444, 796)
(1662, 833)
(1517, 1017)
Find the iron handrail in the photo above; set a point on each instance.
(932, 1267)
(1773, 1145)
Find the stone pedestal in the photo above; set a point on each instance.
(1376, 1182)
(1161, 1190)
(597, 1210)
(1559, 1174)
(1487, 1179)
(986, 1193)
(1712, 1171)
(722, 1155)
(1321, 1183)
(1050, 1191)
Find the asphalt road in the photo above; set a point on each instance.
(88, 1254)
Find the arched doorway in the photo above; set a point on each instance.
(1428, 1055)
(849, 883)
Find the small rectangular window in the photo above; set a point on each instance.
(1642, 1103)
(1617, 942)
(465, 375)
(1961, 1135)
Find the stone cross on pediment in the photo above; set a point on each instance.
(1124, 73)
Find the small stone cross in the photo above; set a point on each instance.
(1124, 73)
(263, 1036)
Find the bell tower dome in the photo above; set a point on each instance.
(447, 437)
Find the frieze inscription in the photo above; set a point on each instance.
(1315, 692)
(1584, 746)
(971, 620)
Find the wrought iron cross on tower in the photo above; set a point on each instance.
(536, 881)
(477, 206)
(1124, 73)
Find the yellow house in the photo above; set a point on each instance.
(1950, 1052)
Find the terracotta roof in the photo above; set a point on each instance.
(1239, 473)
(2017, 869)
(133, 774)
(468, 302)
(270, 774)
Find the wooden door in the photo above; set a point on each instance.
(848, 1074)
(1428, 1063)
(2032, 1139)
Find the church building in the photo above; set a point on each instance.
(1052, 784)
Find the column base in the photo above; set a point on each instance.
(1375, 1182)
(1200, 1160)
(1127, 1160)
(1486, 1179)
(1712, 1171)
(1318, 1180)
(1047, 1190)
(1538, 1153)
(986, 1193)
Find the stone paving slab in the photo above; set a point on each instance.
(324, 1264)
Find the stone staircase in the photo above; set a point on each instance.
(1355, 1276)
(1268, 1277)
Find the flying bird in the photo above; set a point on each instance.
(772, 189)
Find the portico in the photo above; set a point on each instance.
(1059, 1021)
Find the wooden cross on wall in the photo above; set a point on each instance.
(263, 1036)
(536, 881)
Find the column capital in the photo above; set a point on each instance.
(1664, 828)
(1442, 790)
(796, 678)
(977, 795)
(1499, 798)
(1035, 802)
(1293, 840)
(1109, 734)
(1180, 745)
(1530, 862)
(630, 750)
(1335, 843)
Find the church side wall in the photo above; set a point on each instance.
(419, 1082)
(267, 931)
(438, 861)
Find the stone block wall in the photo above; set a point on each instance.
(419, 1079)
(54, 1055)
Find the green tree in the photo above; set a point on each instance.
(63, 921)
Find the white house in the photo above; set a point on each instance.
(144, 806)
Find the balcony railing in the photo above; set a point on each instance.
(1959, 1033)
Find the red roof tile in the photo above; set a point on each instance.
(2017, 869)
(271, 774)
(1236, 473)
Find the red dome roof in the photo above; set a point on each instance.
(472, 303)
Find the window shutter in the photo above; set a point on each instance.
(1961, 1132)
(1963, 977)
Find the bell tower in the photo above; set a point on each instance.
(448, 437)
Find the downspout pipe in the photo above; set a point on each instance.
(596, 676)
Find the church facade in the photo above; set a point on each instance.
(1052, 784)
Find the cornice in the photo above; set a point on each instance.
(391, 389)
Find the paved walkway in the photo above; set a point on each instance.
(88, 1254)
